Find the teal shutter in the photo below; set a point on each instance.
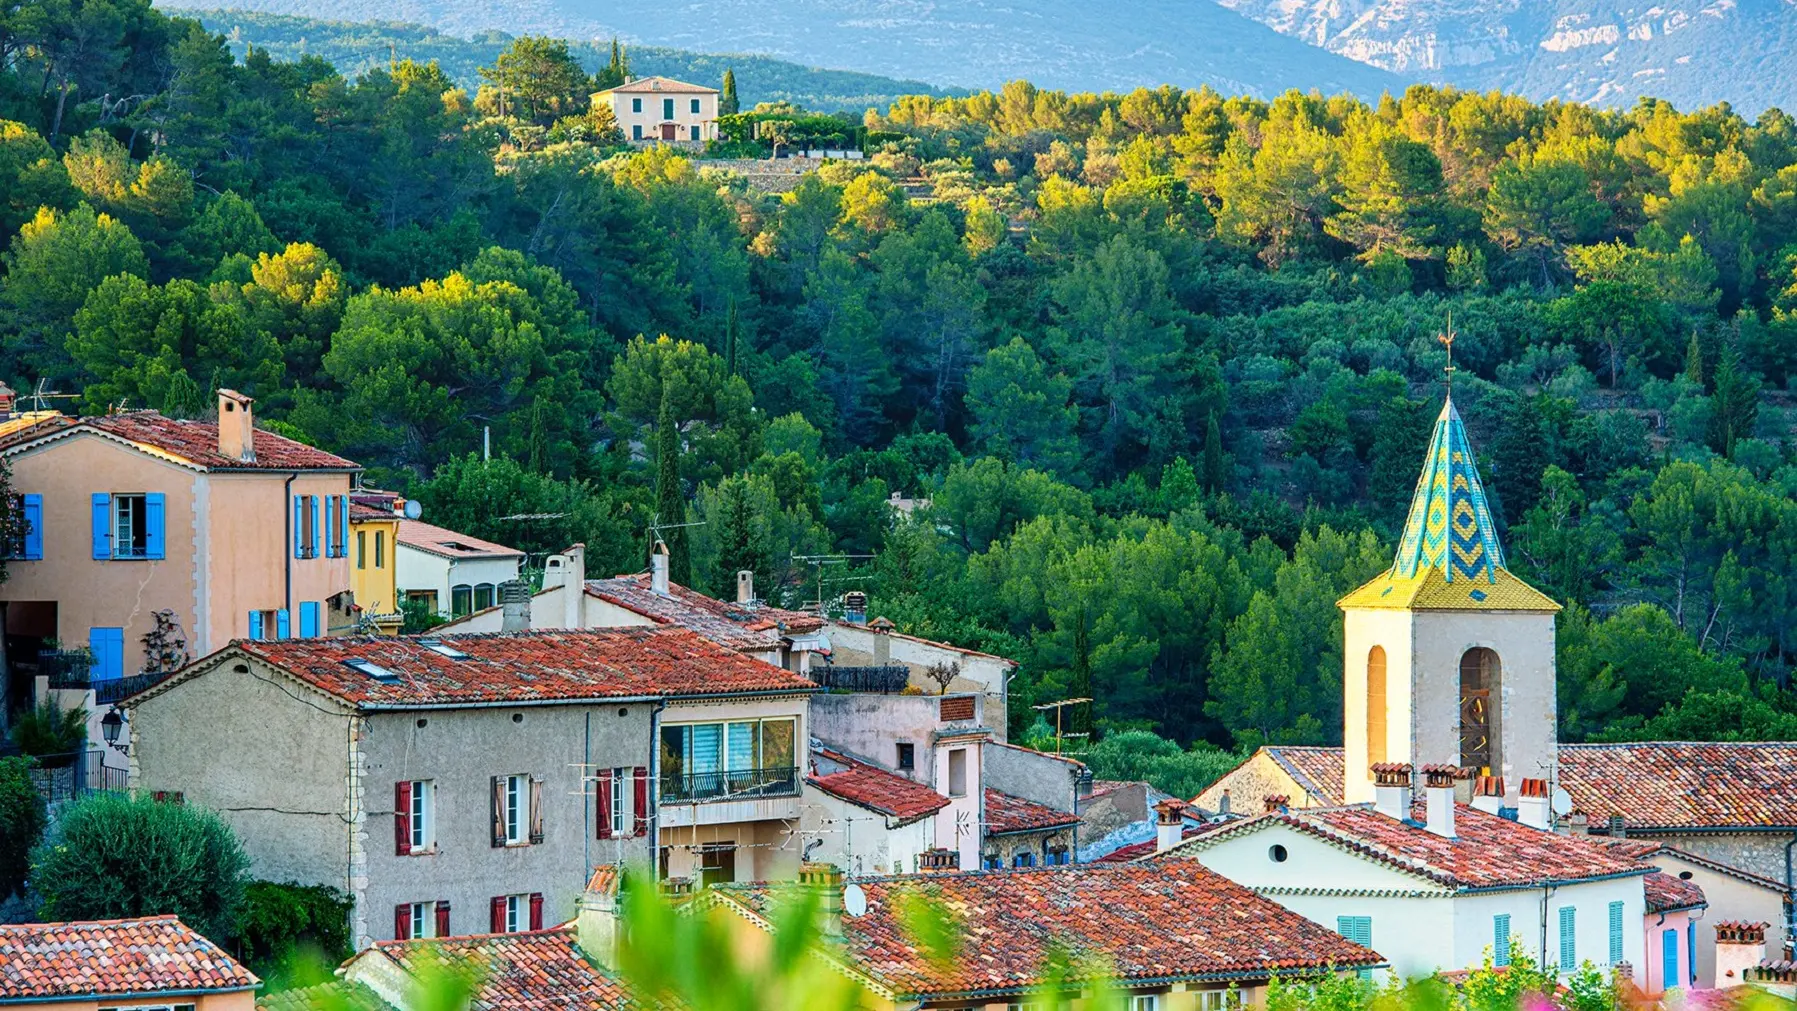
(255, 624)
(1616, 952)
(283, 626)
(343, 526)
(308, 619)
(108, 647)
(317, 530)
(1691, 948)
(154, 508)
(1358, 929)
(330, 527)
(1500, 939)
(102, 525)
(1569, 945)
(299, 516)
(1669, 958)
(34, 528)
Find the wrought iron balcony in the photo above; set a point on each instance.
(887, 680)
(741, 784)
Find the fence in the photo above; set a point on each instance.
(888, 680)
(64, 777)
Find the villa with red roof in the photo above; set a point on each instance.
(150, 961)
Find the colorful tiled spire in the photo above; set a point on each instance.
(1450, 526)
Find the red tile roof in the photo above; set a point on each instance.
(1678, 784)
(1164, 921)
(645, 85)
(1317, 770)
(336, 995)
(541, 970)
(1668, 892)
(539, 666)
(1136, 851)
(112, 958)
(196, 442)
(448, 543)
(724, 622)
(869, 786)
(1487, 851)
(1006, 814)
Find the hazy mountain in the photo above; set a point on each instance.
(1692, 52)
(972, 43)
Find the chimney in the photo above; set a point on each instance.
(1578, 823)
(745, 587)
(1391, 789)
(1488, 794)
(1740, 946)
(1619, 827)
(658, 569)
(1438, 796)
(236, 427)
(1532, 806)
(937, 860)
(882, 630)
(854, 607)
(1169, 827)
(514, 602)
(1275, 803)
(1223, 802)
(597, 917)
(1465, 783)
(826, 880)
(7, 399)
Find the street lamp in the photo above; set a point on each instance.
(110, 725)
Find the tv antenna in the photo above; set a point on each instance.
(818, 562)
(1447, 338)
(42, 392)
(1057, 707)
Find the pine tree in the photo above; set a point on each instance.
(1213, 479)
(183, 398)
(670, 504)
(1694, 359)
(727, 103)
(1735, 402)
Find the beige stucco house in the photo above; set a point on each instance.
(662, 110)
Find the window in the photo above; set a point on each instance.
(1358, 929)
(336, 524)
(1145, 1002)
(420, 920)
(308, 525)
(1375, 704)
(636, 130)
(907, 756)
(1500, 939)
(1054, 856)
(1616, 935)
(108, 648)
(127, 525)
(483, 596)
(514, 913)
(517, 811)
(741, 758)
(1023, 859)
(695, 108)
(667, 108)
(361, 549)
(461, 599)
(423, 825)
(1218, 1000)
(269, 625)
(694, 130)
(957, 772)
(992, 861)
(1569, 942)
(636, 105)
(380, 548)
(28, 532)
(515, 787)
(619, 808)
(717, 863)
(1479, 674)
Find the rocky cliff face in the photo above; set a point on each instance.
(1693, 52)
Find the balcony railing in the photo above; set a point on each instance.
(888, 680)
(738, 785)
(66, 668)
(108, 692)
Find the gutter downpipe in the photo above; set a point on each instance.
(655, 788)
(1546, 891)
(287, 549)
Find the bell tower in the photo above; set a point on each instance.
(1448, 657)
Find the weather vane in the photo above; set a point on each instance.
(1446, 337)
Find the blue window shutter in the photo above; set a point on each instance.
(255, 624)
(1569, 948)
(299, 515)
(343, 526)
(155, 506)
(1616, 952)
(1358, 929)
(317, 529)
(283, 625)
(1691, 948)
(1500, 939)
(330, 526)
(34, 527)
(308, 619)
(102, 525)
(1669, 958)
(108, 646)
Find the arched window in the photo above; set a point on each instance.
(461, 599)
(1375, 704)
(1480, 674)
(483, 596)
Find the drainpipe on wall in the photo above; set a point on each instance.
(287, 547)
(1545, 892)
(655, 787)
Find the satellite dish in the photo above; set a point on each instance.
(854, 900)
(413, 509)
(1562, 801)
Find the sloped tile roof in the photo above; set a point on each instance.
(1164, 921)
(1136, 851)
(112, 958)
(1006, 813)
(540, 970)
(866, 785)
(724, 622)
(1487, 851)
(536, 666)
(336, 995)
(1668, 892)
(1681, 784)
(448, 543)
(195, 442)
(646, 85)
(1317, 770)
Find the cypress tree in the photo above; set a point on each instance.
(1213, 478)
(1735, 405)
(727, 103)
(670, 504)
(1694, 359)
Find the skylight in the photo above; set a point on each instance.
(443, 648)
(370, 668)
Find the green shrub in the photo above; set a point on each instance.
(50, 730)
(21, 822)
(113, 855)
(284, 927)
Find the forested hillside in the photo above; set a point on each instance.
(1163, 362)
(353, 47)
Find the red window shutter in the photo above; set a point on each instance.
(604, 791)
(402, 818)
(402, 922)
(442, 918)
(498, 923)
(642, 800)
(536, 910)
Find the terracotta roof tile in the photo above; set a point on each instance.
(1679, 784)
(1667, 892)
(101, 958)
(646, 85)
(537, 666)
(1165, 921)
(1487, 851)
(724, 622)
(448, 543)
(193, 441)
(869, 786)
(541, 970)
(336, 995)
(1006, 813)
